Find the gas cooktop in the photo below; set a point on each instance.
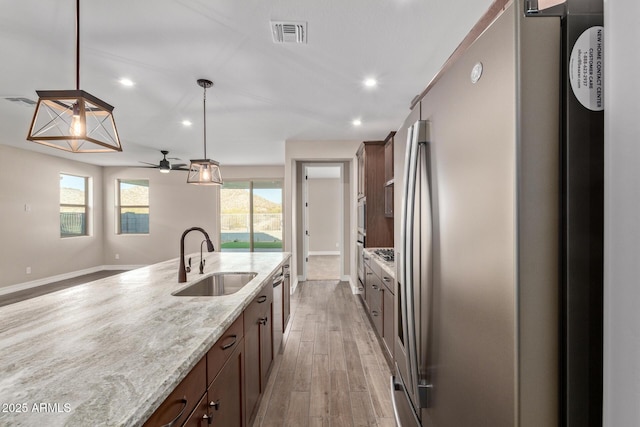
(385, 254)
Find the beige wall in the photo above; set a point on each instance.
(32, 239)
(324, 214)
(251, 172)
(174, 206)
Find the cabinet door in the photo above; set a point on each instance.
(266, 345)
(258, 336)
(388, 159)
(225, 393)
(387, 320)
(252, 361)
(200, 416)
(376, 304)
(177, 407)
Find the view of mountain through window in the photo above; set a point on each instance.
(251, 216)
(73, 205)
(133, 201)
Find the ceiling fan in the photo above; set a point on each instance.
(165, 166)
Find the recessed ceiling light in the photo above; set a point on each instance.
(370, 82)
(186, 123)
(126, 82)
(356, 122)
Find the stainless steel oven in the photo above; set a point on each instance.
(362, 216)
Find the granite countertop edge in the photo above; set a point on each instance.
(129, 353)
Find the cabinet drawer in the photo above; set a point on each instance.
(177, 407)
(200, 415)
(260, 305)
(223, 348)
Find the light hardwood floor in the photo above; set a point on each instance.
(332, 371)
(55, 286)
(323, 267)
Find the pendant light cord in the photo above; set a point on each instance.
(204, 109)
(77, 44)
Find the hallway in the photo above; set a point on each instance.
(332, 372)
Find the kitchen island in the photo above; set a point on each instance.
(109, 352)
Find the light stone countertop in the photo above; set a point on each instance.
(389, 267)
(108, 352)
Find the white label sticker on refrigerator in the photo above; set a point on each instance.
(586, 68)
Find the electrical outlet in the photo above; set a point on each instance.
(27, 207)
(117, 256)
(28, 270)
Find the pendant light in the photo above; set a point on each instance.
(204, 171)
(74, 120)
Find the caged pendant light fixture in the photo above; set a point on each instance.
(74, 120)
(204, 171)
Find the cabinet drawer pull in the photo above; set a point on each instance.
(263, 320)
(367, 258)
(375, 313)
(215, 405)
(262, 299)
(175, 420)
(386, 279)
(231, 344)
(375, 287)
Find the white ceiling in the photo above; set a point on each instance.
(264, 93)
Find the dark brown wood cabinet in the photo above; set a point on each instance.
(388, 175)
(225, 386)
(371, 174)
(379, 299)
(388, 316)
(183, 399)
(258, 332)
(226, 403)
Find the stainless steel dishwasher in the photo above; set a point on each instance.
(278, 332)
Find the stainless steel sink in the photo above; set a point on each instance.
(217, 284)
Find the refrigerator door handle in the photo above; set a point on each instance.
(418, 265)
(408, 257)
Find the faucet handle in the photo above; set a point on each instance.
(202, 261)
(188, 267)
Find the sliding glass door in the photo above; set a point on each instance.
(251, 216)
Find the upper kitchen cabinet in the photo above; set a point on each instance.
(388, 175)
(375, 228)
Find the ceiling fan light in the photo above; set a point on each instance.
(204, 172)
(74, 121)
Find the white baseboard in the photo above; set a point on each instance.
(311, 253)
(51, 279)
(354, 289)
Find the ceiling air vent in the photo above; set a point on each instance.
(21, 100)
(289, 32)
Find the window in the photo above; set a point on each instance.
(74, 202)
(251, 216)
(133, 206)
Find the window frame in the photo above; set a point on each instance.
(85, 206)
(120, 206)
(251, 187)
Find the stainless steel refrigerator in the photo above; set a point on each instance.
(500, 277)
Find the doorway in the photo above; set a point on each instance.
(323, 225)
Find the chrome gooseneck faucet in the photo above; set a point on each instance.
(182, 271)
